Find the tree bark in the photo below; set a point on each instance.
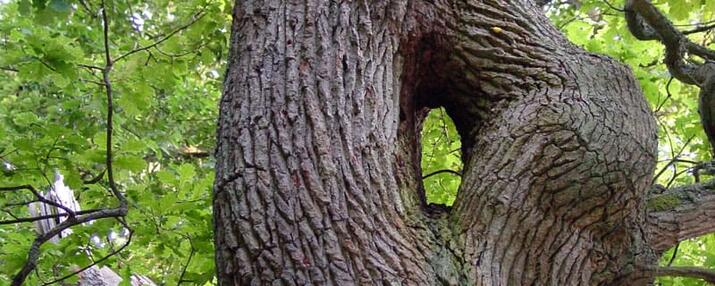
(318, 162)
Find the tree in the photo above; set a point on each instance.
(318, 174)
(167, 61)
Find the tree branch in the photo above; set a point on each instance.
(34, 252)
(681, 213)
(683, 271)
(699, 29)
(10, 69)
(114, 252)
(32, 219)
(40, 197)
(442, 171)
(196, 18)
(188, 261)
(94, 179)
(647, 23)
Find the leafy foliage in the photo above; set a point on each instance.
(52, 116)
(441, 150)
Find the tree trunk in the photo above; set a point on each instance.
(318, 159)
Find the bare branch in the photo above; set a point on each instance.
(695, 24)
(188, 261)
(673, 159)
(90, 67)
(613, 7)
(681, 213)
(17, 188)
(17, 204)
(94, 179)
(10, 69)
(668, 96)
(675, 254)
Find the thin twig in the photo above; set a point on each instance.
(20, 203)
(675, 254)
(440, 172)
(90, 67)
(10, 69)
(699, 29)
(613, 7)
(695, 24)
(94, 179)
(197, 17)
(32, 219)
(39, 197)
(669, 95)
(186, 265)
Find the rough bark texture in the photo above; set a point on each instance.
(318, 177)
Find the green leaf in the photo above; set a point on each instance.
(24, 119)
(131, 163)
(166, 177)
(133, 146)
(186, 172)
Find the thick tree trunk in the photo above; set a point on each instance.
(318, 162)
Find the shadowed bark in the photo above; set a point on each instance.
(318, 161)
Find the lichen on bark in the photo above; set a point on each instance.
(663, 202)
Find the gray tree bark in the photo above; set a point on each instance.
(318, 162)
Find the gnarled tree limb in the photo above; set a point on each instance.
(647, 23)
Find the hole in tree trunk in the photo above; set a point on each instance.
(441, 158)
